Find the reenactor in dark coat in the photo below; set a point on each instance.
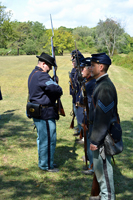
(83, 109)
(103, 111)
(44, 91)
(74, 83)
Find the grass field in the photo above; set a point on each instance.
(20, 177)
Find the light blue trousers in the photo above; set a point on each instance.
(46, 142)
(104, 174)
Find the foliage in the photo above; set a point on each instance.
(125, 61)
(5, 52)
(27, 35)
(29, 47)
(131, 43)
(5, 26)
(85, 38)
(37, 30)
(62, 40)
(63, 28)
(33, 38)
(123, 44)
(108, 33)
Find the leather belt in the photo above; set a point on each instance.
(47, 106)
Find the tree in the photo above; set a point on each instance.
(108, 34)
(5, 26)
(37, 30)
(63, 28)
(20, 33)
(131, 43)
(30, 47)
(123, 44)
(63, 40)
(82, 31)
(85, 38)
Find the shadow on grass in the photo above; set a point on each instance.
(47, 188)
(123, 170)
(123, 185)
(20, 188)
(15, 129)
(65, 153)
(70, 183)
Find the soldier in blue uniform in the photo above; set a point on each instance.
(103, 111)
(43, 90)
(75, 87)
(89, 83)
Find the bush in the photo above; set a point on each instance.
(13, 52)
(30, 47)
(124, 61)
(4, 52)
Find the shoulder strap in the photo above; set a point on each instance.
(29, 84)
(32, 76)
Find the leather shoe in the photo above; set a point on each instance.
(80, 141)
(53, 170)
(76, 134)
(89, 171)
(95, 197)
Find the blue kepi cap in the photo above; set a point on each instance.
(102, 58)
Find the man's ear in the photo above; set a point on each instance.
(101, 67)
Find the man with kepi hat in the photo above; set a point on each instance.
(74, 85)
(84, 100)
(44, 91)
(103, 111)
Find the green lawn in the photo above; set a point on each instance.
(20, 177)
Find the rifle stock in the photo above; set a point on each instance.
(70, 81)
(59, 104)
(85, 140)
(60, 108)
(95, 190)
(72, 122)
(95, 185)
(85, 127)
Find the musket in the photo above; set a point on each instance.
(84, 126)
(72, 122)
(70, 81)
(72, 112)
(78, 66)
(85, 96)
(95, 190)
(59, 104)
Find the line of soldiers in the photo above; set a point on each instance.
(94, 104)
(80, 82)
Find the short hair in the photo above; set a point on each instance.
(106, 67)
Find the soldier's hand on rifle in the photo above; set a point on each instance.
(80, 78)
(93, 147)
(56, 79)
